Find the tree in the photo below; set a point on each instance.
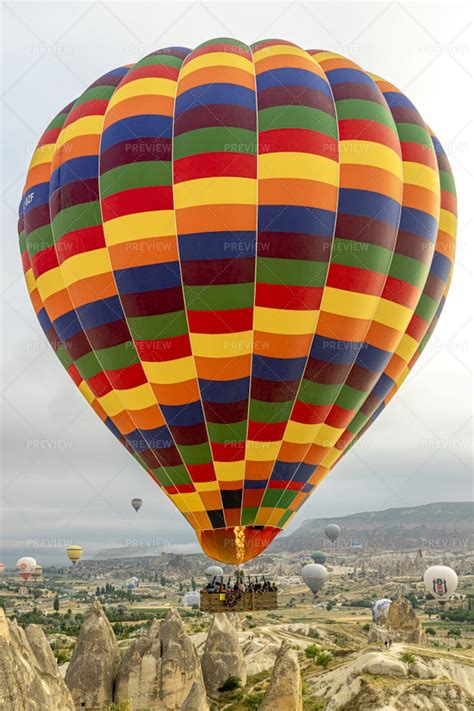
(163, 581)
(56, 604)
(193, 584)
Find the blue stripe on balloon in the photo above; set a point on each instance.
(369, 204)
(128, 129)
(136, 280)
(291, 218)
(224, 391)
(217, 245)
(209, 94)
(277, 369)
(287, 77)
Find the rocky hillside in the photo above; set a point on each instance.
(238, 665)
(445, 526)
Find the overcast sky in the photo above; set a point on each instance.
(65, 478)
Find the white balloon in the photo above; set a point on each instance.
(214, 571)
(314, 575)
(191, 598)
(440, 581)
(332, 531)
(26, 566)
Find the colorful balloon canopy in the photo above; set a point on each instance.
(319, 557)
(238, 254)
(74, 553)
(26, 565)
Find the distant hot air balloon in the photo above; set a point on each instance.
(132, 583)
(238, 275)
(319, 557)
(380, 609)
(137, 504)
(314, 575)
(332, 531)
(213, 571)
(26, 566)
(37, 572)
(2, 567)
(191, 599)
(440, 581)
(74, 553)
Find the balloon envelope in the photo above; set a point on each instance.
(213, 571)
(319, 557)
(314, 575)
(237, 275)
(74, 553)
(381, 608)
(26, 566)
(2, 567)
(137, 504)
(191, 598)
(332, 531)
(440, 581)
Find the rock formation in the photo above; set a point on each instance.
(29, 676)
(159, 669)
(91, 672)
(373, 680)
(402, 623)
(284, 691)
(222, 656)
(196, 699)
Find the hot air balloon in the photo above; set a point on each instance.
(37, 572)
(380, 609)
(314, 575)
(333, 532)
(132, 583)
(319, 557)
(191, 599)
(213, 571)
(440, 581)
(137, 504)
(26, 566)
(2, 567)
(74, 553)
(238, 275)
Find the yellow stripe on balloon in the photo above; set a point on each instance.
(171, 371)
(393, 315)
(217, 59)
(143, 87)
(215, 191)
(349, 303)
(229, 471)
(43, 154)
(371, 153)
(298, 165)
(284, 321)
(87, 264)
(447, 222)
(85, 126)
(50, 283)
(262, 451)
(221, 345)
(138, 226)
(422, 175)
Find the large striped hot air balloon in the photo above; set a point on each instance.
(238, 253)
